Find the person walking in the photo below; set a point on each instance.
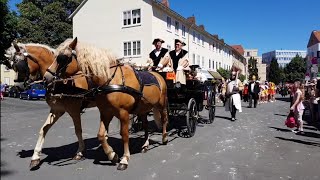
(233, 99)
(254, 90)
(2, 89)
(246, 93)
(297, 105)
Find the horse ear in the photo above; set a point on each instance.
(73, 44)
(15, 45)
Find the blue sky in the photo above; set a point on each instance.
(260, 24)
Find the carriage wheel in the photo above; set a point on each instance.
(191, 117)
(136, 125)
(211, 106)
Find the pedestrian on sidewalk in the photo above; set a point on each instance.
(254, 90)
(297, 105)
(313, 102)
(2, 90)
(246, 93)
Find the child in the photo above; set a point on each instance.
(297, 105)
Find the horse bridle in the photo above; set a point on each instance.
(26, 57)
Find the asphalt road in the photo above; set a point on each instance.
(255, 147)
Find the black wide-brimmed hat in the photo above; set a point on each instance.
(179, 41)
(157, 40)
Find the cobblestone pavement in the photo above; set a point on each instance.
(255, 147)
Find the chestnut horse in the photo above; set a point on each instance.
(120, 91)
(29, 60)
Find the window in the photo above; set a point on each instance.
(169, 47)
(198, 40)
(132, 48)
(248, 53)
(212, 64)
(168, 23)
(194, 36)
(217, 65)
(202, 41)
(198, 59)
(202, 63)
(193, 58)
(131, 17)
(183, 31)
(177, 27)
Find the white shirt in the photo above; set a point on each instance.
(177, 52)
(157, 52)
(252, 86)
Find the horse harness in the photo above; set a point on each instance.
(105, 88)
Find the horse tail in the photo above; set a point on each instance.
(157, 117)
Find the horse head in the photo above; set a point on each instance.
(65, 63)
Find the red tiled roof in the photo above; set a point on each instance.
(314, 38)
(238, 48)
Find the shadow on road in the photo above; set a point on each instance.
(280, 129)
(285, 99)
(317, 144)
(223, 117)
(284, 115)
(62, 156)
(3, 165)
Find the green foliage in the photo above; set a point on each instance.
(45, 21)
(274, 71)
(296, 69)
(242, 77)
(253, 69)
(8, 21)
(224, 73)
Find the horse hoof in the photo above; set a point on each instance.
(77, 157)
(122, 167)
(144, 149)
(115, 159)
(34, 164)
(165, 142)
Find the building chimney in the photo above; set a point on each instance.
(216, 36)
(192, 19)
(201, 27)
(166, 3)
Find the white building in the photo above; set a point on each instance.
(284, 57)
(262, 68)
(313, 60)
(129, 27)
(7, 75)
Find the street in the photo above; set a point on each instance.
(258, 146)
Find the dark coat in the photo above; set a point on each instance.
(156, 59)
(256, 88)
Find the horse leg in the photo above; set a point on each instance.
(164, 120)
(103, 138)
(78, 130)
(52, 118)
(124, 132)
(145, 146)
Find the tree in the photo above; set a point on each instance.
(253, 69)
(296, 69)
(224, 73)
(274, 71)
(242, 77)
(45, 21)
(8, 21)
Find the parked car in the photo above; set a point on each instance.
(6, 91)
(35, 91)
(14, 91)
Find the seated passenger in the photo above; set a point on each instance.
(157, 54)
(178, 62)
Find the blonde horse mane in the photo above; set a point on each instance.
(11, 50)
(92, 60)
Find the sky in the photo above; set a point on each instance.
(265, 25)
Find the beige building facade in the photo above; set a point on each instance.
(262, 68)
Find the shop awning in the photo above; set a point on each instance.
(216, 75)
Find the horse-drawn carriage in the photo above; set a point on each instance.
(185, 102)
(117, 93)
